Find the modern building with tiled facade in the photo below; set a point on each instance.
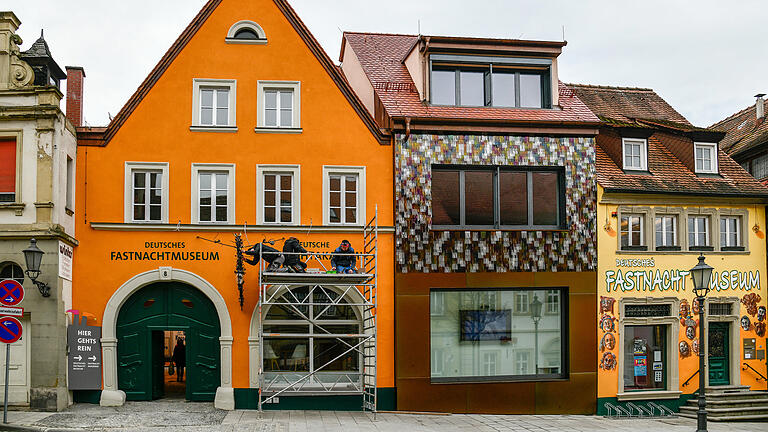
(667, 193)
(495, 222)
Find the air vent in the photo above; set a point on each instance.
(647, 310)
(720, 308)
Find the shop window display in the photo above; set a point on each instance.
(487, 335)
(645, 357)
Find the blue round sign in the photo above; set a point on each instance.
(10, 329)
(11, 292)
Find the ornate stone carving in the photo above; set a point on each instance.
(21, 74)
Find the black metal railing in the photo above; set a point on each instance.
(755, 371)
(690, 378)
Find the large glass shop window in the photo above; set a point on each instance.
(497, 335)
(645, 357)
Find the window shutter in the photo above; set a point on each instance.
(7, 166)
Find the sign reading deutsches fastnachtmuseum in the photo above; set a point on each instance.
(84, 359)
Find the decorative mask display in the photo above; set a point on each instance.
(690, 332)
(760, 329)
(696, 307)
(695, 346)
(608, 342)
(608, 362)
(745, 323)
(750, 301)
(685, 349)
(606, 324)
(761, 313)
(606, 304)
(684, 311)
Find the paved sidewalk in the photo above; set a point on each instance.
(181, 416)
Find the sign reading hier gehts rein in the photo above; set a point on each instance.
(84, 359)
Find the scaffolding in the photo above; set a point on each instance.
(310, 297)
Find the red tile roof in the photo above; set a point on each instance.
(642, 108)
(743, 131)
(382, 55)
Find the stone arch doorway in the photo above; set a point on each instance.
(111, 395)
(141, 346)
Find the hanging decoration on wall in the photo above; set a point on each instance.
(746, 324)
(690, 332)
(685, 349)
(606, 304)
(608, 362)
(696, 306)
(695, 346)
(760, 329)
(685, 311)
(750, 301)
(607, 323)
(608, 342)
(239, 267)
(761, 313)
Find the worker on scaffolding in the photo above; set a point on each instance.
(343, 259)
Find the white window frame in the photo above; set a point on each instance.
(128, 189)
(522, 307)
(643, 153)
(246, 24)
(640, 216)
(550, 294)
(727, 232)
(490, 361)
(260, 105)
(69, 205)
(329, 170)
(437, 303)
(231, 85)
(519, 361)
(713, 152)
(664, 230)
(707, 227)
(197, 168)
(295, 170)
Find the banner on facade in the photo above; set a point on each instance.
(84, 359)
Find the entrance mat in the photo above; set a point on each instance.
(248, 398)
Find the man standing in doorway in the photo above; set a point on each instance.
(180, 359)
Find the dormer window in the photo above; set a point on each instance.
(635, 153)
(490, 81)
(706, 158)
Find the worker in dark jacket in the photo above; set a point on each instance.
(180, 358)
(293, 252)
(343, 259)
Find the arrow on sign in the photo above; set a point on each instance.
(92, 358)
(78, 358)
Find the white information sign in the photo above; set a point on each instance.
(65, 261)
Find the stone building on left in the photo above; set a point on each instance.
(37, 171)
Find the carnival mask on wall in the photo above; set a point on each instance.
(695, 346)
(760, 329)
(684, 311)
(761, 313)
(685, 349)
(750, 301)
(690, 332)
(745, 323)
(606, 304)
(696, 307)
(608, 342)
(608, 362)
(606, 324)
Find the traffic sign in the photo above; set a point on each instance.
(11, 311)
(10, 330)
(11, 292)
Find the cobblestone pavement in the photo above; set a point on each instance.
(181, 416)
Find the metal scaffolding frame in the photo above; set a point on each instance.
(356, 290)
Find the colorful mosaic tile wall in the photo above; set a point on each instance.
(421, 250)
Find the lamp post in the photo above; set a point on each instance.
(34, 256)
(536, 316)
(701, 275)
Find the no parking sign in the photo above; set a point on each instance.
(11, 292)
(10, 330)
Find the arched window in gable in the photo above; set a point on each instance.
(246, 32)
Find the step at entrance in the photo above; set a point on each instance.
(730, 403)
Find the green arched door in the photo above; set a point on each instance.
(167, 306)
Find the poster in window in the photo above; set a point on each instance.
(485, 325)
(641, 366)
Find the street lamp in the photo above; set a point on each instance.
(701, 275)
(536, 316)
(34, 256)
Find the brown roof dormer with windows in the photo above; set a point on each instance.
(669, 146)
(439, 83)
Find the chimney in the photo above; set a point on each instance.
(760, 106)
(75, 75)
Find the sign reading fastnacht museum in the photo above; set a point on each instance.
(637, 275)
(158, 251)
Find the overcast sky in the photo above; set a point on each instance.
(707, 58)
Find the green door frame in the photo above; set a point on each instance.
(719, 357)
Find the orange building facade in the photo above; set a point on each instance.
(245, 129)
